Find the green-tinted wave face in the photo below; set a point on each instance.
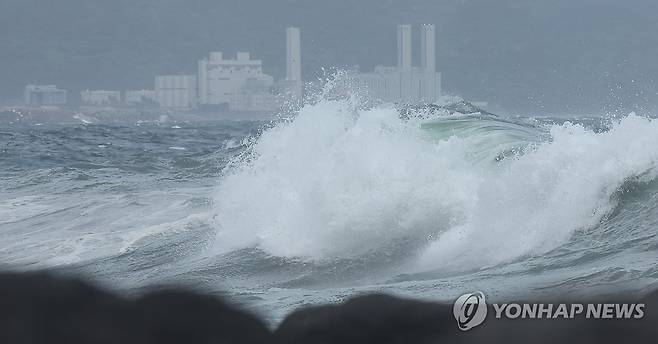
(491, 138)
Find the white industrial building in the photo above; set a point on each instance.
(100, 97)
(135, 97)
(234, 84)
(176, 91)
(238, 84)
(406, 83)
(44, 95)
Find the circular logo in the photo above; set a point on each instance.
(470, 310)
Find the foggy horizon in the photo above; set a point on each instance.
(557, 57)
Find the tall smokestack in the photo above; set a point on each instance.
(404, 47)
(431, 88)
(294, 60)
(428, 48)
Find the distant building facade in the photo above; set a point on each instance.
(139, 97)
(176, 91)
(406, 83)
(44, 95)
(100, 97)
(238, 84)
(233, 84)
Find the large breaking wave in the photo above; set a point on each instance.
(453, 192)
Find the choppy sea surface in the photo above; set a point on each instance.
(335, 202)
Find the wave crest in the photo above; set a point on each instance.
(462, 192)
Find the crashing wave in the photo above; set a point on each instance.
(427, 111)
(340, 183)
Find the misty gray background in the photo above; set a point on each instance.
(553, 56)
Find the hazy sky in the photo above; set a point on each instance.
(552, 56)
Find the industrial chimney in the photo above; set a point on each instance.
(294, 61)
(431, 80)
(404, 47)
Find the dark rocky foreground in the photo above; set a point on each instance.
(41, 308)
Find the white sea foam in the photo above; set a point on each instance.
(337, 183)
(535, 202)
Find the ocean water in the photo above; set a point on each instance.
(335, 202)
